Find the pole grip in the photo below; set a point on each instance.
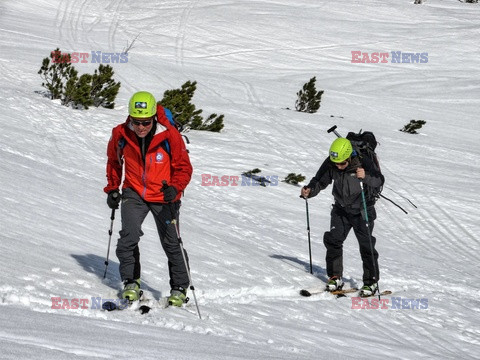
(165, 185)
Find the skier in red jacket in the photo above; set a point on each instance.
(151, 155)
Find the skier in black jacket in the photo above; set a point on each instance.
(346, 170)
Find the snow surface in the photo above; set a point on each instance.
(247, 244)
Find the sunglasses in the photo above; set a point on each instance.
(143, 122)
(342, 163)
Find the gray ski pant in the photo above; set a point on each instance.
(134, 210)
(341, 222)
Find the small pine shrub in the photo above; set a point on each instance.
(77, 92)
(56, 73)
(294, 179)
(308, 99)
(260, 180)
(62, 82)
(186, 113)
(252, 172)
(104, 89)
(213, 123)
(413, 126)
(179, 103)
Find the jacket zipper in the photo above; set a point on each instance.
(144, 175)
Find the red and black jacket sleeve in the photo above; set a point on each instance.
(114, 160)
(181, 168)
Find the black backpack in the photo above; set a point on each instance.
(364, 145)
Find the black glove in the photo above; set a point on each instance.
(169, 193)
(113, 199)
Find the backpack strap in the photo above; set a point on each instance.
(165, 116)
(169, 116)
(166, 146)
(120, 145)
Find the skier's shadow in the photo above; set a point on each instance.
(96, 265)
(318, 271)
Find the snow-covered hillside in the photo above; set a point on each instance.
(247, 244)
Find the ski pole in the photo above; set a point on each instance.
(369, 236)
(308, 232)
(394, 203)
(180, 243)
(404, 197)
(112, 217)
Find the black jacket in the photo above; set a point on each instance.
(347, 191)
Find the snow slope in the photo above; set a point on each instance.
(247, 244)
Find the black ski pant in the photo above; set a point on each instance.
(341, 222)
(134, 210)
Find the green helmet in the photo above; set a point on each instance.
(340, 150)
(142, 105)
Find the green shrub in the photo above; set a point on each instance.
(77, 92)
(294, 179)
(308, 99)
(256, 179)
(413, 126)
(62, 82)
(252, 172)
(186, 113)
(104, 88)
(56, 73)
(178, 101)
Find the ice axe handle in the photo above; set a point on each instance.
(333, 128)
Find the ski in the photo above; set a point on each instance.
(384, 292)
(143, 306)
(162, 303)
(119, 306)
(123, 304)
(305, 292)
(338, 293)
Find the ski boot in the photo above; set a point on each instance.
(178, 296)
(131, 290)
(334, 283)
(368, 290)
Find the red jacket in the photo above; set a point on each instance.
(146, 177)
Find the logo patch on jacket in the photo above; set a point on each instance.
(159, 157)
